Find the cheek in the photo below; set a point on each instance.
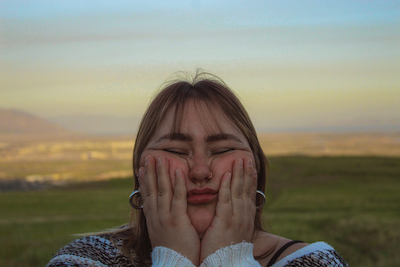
(225, 164)
(219, 166)
(174, 163)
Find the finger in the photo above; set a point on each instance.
(249, 191)
(237, 187)
(148, 184)
(249, 180)
(179, 202)
(237, 178)
(140, 176)
(224, 204)
(164, 185)
(253, 190)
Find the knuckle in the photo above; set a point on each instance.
(237, 194)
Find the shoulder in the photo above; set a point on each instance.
(315, 254)
(298, 254)
(268, 246)
(95, 250)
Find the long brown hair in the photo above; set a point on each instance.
(212, 91)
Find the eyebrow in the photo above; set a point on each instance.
(175, 136)
(209, 139)
(222, 137)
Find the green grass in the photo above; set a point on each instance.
(352, 203)
(33, 225)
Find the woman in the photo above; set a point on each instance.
(202, 174)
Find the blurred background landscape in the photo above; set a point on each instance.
(319, 79)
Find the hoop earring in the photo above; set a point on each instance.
(132, 196)
(263, 199)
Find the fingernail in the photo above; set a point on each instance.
(228, 177)
(250, 162)
(241, 163)
(140, 171)
(146, 160)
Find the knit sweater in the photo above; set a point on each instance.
(105, 251)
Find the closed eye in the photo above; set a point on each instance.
(221, 151)
(176, 151)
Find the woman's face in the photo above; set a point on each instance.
(207, 143)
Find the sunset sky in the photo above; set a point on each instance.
(297, 65)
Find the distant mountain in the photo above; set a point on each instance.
(16, 122)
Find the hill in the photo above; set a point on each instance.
(16, 122)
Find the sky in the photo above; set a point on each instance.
(296, 65)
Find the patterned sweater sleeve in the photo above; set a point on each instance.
(96, 251)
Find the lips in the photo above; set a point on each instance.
(201, 195)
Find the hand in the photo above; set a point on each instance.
(235, 211)
(168, 223)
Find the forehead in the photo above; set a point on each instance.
(197, 117)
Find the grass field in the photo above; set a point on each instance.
(353, 203)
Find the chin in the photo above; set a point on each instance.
(201, 219)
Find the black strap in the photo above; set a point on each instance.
(281, 250)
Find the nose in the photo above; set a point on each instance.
(199, 166)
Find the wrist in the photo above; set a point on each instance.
(236, 255)
(166, 257)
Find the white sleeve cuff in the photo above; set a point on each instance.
(238, 255)
(166, 257)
